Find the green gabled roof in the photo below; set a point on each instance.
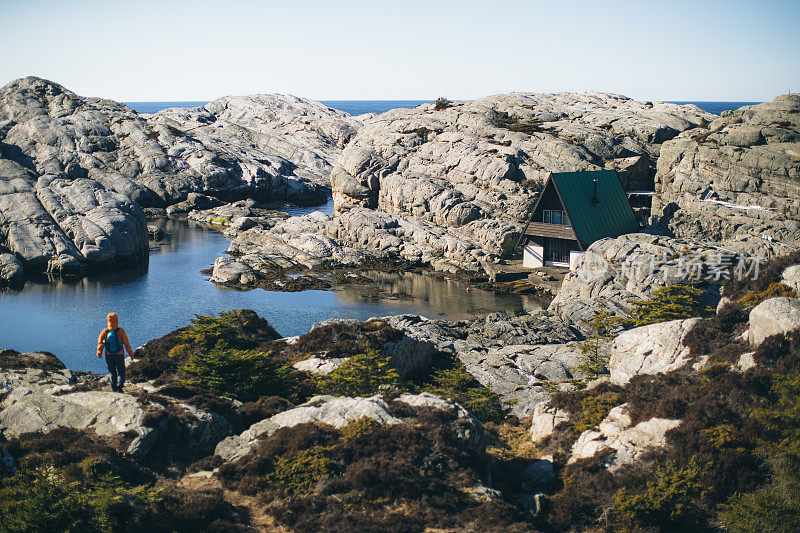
(611, 216)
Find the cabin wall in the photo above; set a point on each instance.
(533, 255)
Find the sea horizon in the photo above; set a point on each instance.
(360, 107)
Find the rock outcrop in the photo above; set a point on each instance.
(615, 272)
(471, 169)
(340, 411)
(520, 358)
(776, 316)
(652, 349)
(747, 164)
(11, 271)
(40, 395)
(75, 172)
(544, 420)
(627, 441)
(303, 132)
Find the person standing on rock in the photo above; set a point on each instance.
(114, 341)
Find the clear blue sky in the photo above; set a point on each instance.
(141, 50)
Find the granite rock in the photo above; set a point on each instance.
(775, 316)
(750, 159)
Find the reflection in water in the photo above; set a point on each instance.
(444, 297)
(66, 316)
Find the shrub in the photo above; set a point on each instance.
(442, 103)
(670, 303)
(239, 328)
(358, 428)
(670, 501)
(753, 298)
(595, 408)
(241, 375)
(460, 386)
(300, 473)
(736, 287)
(42, 500)
(342, 340)
(361, 375)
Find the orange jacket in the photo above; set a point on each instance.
(113, 323)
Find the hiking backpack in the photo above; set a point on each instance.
(113, 345)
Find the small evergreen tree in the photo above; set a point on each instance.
(243, 375)
(595, 357)
(670, 303)
(361, 375)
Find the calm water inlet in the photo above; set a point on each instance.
(65, 317)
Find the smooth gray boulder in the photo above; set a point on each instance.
(776, 316)
(653, 349)
(791, 278)
(628, 442)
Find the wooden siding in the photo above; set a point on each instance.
(558, 231)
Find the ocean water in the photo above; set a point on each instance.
(718, 107)
(359, 107)
(354, 107)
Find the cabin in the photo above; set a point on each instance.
(574, 210)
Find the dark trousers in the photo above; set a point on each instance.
(116, 365)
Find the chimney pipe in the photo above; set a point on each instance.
(595, 199)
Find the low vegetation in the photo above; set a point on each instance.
(512, 123)
(733, 463)
(405, 477)
(459, 385)
(363, 374)
(68, 480)
(442, 103)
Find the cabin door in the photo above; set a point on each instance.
(556, 250)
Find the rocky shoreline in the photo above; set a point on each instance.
(509, 408)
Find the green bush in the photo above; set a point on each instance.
(363, 374)
(240, 374)
(670, 303)
(459, 385)
(670, 501)
(753, 298)
(235, 329)
(43, 500)
(595, 408)
(357, 428)
(300, 473)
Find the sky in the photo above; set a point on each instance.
(169, 50)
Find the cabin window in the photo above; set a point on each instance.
(555, 216)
